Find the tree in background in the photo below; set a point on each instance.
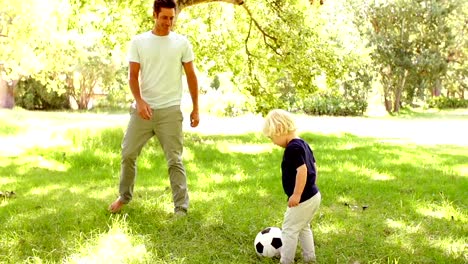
(88, 49)
(413, 42)
(70, 47)
(278, 58)
(24, 26)
(295, 54)
(281, 53)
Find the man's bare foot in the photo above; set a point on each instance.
(116, 206)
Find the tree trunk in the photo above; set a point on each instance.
(399, 89)
(387, 99)
(7, 97)
(397, 101)
(388, 105)
(437, 88)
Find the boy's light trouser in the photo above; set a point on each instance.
(166, 125)
(296, 226)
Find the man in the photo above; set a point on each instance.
(156, 60)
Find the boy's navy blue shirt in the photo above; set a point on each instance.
(297, 153)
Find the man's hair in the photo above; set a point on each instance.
(158, 4)
(278, 123)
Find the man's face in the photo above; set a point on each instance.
(164, 20)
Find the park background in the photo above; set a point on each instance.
(378, 87)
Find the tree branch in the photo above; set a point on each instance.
(185, 3)
(266, 36)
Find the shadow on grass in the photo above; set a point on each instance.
(415, 205)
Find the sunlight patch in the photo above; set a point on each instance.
(45, 190)
(4, 180)
(381, 177)
(117, 246)
(445, 211)
(262, 192)
(402, 226)
(239, 177)
(3, 202)
(245, 148)
(77, 190)
(50, 164)
(217, 178)
(450, 247)
(348, 146)
(375, 175)
(209, 195)
(344, 199)
(17, 145)
(351, 167)
(188, 155)
(41, 162)
(399, 234)
(331, 229)
(461, 169)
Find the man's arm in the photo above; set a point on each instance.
(192, 83)
(144, 110)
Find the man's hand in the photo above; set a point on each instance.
(194, 118)
(144, 110)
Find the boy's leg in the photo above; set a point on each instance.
(306, 239)
(295, 220)
(292, 225)
(306, 236)
(169, 132)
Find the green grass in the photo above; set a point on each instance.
(432, 113)
(416, 198)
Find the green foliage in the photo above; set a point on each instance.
(333, 104)
(226, 99)
(442, 102)
(33, 95)
(411, 61)
(277, 54)
(72, 47)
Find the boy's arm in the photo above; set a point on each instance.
(301, 178)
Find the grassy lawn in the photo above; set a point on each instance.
(383, 201)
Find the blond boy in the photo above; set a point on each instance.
(299, 175)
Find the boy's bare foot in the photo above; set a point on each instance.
(116, 206)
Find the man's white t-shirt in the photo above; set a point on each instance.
(160, 59)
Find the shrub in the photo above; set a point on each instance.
(333, 104)
(443, 102)
(31, 94)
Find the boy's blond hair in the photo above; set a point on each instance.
(278, 123)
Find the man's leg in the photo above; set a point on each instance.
(139, 131)
(169, 132)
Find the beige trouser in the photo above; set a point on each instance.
(166, 125)
(296, 226)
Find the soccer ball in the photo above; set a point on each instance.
(268, 242)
